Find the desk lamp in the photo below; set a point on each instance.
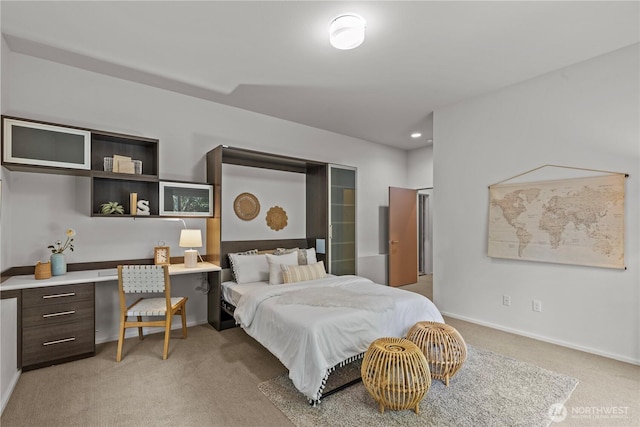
(190, 239)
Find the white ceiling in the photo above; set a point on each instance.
(274, 57)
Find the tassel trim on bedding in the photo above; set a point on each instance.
(315, 402)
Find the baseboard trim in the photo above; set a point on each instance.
(9, 391)
(545, 339)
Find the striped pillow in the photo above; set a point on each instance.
(301, 273)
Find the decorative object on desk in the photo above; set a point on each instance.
(111, 208)
(277, 218)
(133, 203)
(58, 247)
(190, 239)
(58, 264)
(143, 207)
(246, 206)
(161, 255)
(43, 270)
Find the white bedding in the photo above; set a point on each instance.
(232, 291)
(310, 338)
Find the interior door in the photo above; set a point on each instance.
(403, 236)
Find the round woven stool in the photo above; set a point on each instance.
(395, 373)
(442, 345)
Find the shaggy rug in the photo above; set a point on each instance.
(489, 390)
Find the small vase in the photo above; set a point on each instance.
(58, 264)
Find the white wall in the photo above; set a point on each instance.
(587, 116)
(271, 188)
(42, 206)
(420, 167)
(9, 372)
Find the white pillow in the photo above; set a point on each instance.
(311, 256)
(275, 261)
(232, 257)
(251, 268)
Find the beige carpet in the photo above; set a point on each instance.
(489, 390)
(211, 379)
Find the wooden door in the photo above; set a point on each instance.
(403, 236)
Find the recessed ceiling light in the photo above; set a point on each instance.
(347, 31)
(429, 140)
(416, 135)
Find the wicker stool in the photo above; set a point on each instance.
(442, 345)
(396, 374)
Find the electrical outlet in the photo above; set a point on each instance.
(506, 300)
(537, 305)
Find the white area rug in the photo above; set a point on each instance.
(489, 390)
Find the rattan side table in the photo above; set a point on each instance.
(396, 374)
(443, 347)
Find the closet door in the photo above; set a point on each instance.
(342, 220)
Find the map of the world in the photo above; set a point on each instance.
(569, 221)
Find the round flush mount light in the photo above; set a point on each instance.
(347, 31)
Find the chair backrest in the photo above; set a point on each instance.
(143, 278)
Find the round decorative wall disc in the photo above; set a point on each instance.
(246, 206)
(277, 218)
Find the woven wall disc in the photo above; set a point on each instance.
(246, 206)
(277, 218)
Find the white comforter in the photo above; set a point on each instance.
(311, 335)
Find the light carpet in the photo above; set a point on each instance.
(489, 390)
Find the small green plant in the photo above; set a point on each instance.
(111, 208)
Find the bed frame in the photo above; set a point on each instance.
(225, 310)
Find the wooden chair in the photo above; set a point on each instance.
(148, 279)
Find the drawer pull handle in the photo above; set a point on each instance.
(69, 294)
(59, 341)
(62, 313)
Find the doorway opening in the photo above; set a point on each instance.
(425, 239)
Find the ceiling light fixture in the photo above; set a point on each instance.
(416, 135)
(347, 31)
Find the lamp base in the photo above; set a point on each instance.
(190, 258)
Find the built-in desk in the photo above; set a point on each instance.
(56, 317)
(92, 276)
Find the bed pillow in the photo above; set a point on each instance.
(275, 261)
(305, 256)
(251, 268)
(301, 273)
(232, 256)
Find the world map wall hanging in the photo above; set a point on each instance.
(568, 221)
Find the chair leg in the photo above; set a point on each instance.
(167, 331)
(140, 335)
(183, 311)
(120, 339)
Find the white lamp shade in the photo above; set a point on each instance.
(347, 31)
(190, 239)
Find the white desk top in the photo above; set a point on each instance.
(86, 276)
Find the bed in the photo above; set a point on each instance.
(314, 326)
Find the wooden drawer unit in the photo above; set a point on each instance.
(58, 324)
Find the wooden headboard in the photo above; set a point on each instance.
(261, 245)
